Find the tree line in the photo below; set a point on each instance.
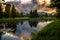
(10, 11)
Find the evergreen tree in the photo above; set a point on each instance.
(7, 13)
(21, 14)
(31, 14)
(58, 13)
(13, 12)
(34, 14)
(56, 3)
(18, 14)
(1, 12)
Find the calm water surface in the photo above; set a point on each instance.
(22, 30)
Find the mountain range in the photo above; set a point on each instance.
(25, 7)
(29, 6)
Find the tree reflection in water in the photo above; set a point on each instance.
(33, 23)
(22, 28)
(0, 35)
(11, 25)
(8, 27)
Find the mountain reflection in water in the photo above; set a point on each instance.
(23, 30)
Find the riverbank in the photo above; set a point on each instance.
(23, 18)
(49, 32)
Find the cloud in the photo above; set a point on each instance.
(22, 6)
(8, 0)
(25, 1)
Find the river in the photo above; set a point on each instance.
(22, 30)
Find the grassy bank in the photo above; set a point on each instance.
(50, 32)
(22, 18)
(13, 19)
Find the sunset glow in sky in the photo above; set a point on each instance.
(42, 1)
(47, 3)
(26, 1)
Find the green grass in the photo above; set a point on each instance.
(50, 32)
(22, 18)
(13, 19)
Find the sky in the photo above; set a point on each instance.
(27, 1)
(8, 0)
(39, 2)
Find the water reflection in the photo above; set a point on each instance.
(33, 23)
(26, 29)
(9, 36)
(0, 35)
(22, 30)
